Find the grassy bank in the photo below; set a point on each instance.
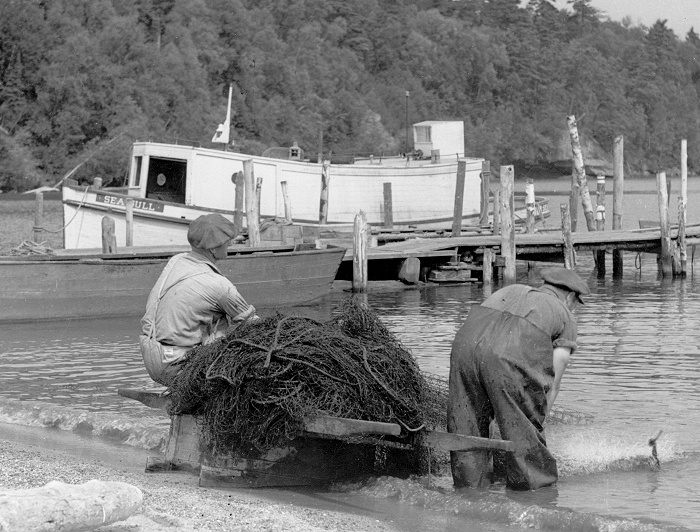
(17, 223)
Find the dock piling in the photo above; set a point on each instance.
(323, 204)
(459, 198)
(287, 202)
(251, 200)
(497, 212)
(682, 208)
(388, 207)
(239, 181)
(109, 239)
(129, 222)
(508, 221)
(487, 269)
(574, 200)
(580, 171)
(485, 193)
(38, 216)
(600, 222)
(569, 256)
(359, 255)
(666, 261)
(530, 206)
(618, 193)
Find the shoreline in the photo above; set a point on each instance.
(32, 457)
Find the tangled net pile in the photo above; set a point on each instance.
(253, 389)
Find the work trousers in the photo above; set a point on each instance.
(501, 367)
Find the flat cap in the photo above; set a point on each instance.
(567, 279)
(210, 231)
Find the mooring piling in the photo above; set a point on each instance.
(38, 216)
(508, 223)
(618, 195)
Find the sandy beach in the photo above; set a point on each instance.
(32, 457)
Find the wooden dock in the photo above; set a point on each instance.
(385, 260)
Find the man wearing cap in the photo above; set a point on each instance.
(192, 303)
(506, 365)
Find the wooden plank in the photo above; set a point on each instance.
(335, 426)
(150, 398)
(446, 441)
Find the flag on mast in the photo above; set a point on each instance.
(223, 131)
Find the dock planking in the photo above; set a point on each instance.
(544, 246)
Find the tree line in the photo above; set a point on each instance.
(81, 80)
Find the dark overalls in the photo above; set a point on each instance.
(501, 367)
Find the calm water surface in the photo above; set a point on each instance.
(634, 375)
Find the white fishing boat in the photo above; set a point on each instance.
(172, 184)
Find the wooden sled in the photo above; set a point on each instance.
(329, 449)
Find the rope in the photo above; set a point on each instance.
(82, 202)
(27, 247)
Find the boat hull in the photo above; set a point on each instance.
(172, 185)
(73, 287)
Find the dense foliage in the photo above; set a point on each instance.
(80, 80)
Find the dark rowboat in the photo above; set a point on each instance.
(89, 285)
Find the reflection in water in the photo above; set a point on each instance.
(635, 372)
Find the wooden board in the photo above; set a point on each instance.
(446, 441)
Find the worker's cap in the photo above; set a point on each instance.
(210, 231)
(567, 279)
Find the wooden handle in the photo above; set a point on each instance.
(336, 426)
(151, 398)
(446, 441)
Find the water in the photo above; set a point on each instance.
(635, 374)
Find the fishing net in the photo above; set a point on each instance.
(253, 389)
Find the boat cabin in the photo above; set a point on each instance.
(439, 138)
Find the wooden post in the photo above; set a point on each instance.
(497, 211)
(618, 193)
(129, 222)
(109, 239)
(359, 255)
(258, 192)
(38, 216)
(569, 255)
(388, 207)
(530, 206)
(682, 209)
(320, 145)
(251, 204)
(287, 203)
(508, 221)
(239, 180)
(580, 171)
(485, 193)
(666, 259)
(574, 201)
(680, 268)
(487, 265)
(325, 180)
(459, 198)
(600, 222)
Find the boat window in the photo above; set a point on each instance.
(422, 133)
(136, 180)
(166, 179)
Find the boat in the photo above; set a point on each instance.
(171, 184)
(329, 449)
(75, 284)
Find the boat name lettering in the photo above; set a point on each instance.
(142, 205)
